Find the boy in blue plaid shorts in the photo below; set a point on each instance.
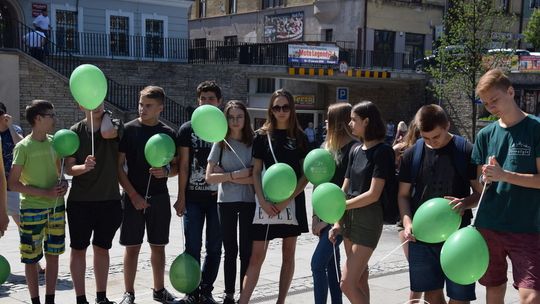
(35, 174)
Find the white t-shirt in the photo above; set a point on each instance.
(34, 38)
(42, 22)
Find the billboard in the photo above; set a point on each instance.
(312, 54)
(529, 64)
(284, 27)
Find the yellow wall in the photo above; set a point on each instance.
(402, 18)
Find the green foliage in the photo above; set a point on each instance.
(532, 33)
(471, 28)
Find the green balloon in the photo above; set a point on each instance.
(328, 202)
(209, 123)
(465, 256)
(88, 86)
(185, 273)
(5, 269)
(435, 221)
(65, 142)
(319, 166)
(159, 150)
(279, 182)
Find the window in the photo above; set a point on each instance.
(230, 40)
(414, 48)
(271, 3)
(265, 85)
(202, 8)
(232, 7)
(154, 38)
(67, 33)
(534, 4)
(383, 53)
(328, 35)
(119, 35)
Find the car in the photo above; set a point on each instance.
(420, 65)
(519, 52)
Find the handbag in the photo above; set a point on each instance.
(287, 216)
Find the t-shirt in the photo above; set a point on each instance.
(438, 175)
(228, 191)
(132, 144)
(506, 207)
(42, 22)
(310, 133)
(197, 190)
(101, 183)
(34, 39)
(7, 147)
(377, 161)
(341, 167)
(38, 160)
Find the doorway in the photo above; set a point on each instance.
(8, 25)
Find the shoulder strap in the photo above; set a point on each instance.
(460, 157)
(220, 155)
(417, 159)
(271, 148)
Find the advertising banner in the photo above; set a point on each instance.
(529, 64)
(311, 54)
(284, 27)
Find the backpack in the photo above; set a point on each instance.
(459, 160)
(389, 197)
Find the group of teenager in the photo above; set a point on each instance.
(220, 188)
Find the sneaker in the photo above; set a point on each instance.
(190, 298)
(165, 297)
(106, 301)
(208, 299)
(128, 298)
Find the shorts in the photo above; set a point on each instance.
(522, 249)
(426, 274)
(102, 218)
(38, 225)
(156, 219)
(13, 203)
(363, 226)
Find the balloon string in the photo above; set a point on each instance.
(386, 256)
(235, 153)
(56, 202)
(479, 202)
(335, 262)
(146, 197)
(182, 236)
(92, 132)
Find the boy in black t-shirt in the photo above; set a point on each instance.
(437, 174)
(197, 200)
(145, 206)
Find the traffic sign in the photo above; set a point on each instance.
(342, 94)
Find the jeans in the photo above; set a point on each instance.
(323, 269)
(230, 215)
(196, 214)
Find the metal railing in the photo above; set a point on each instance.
(64, 62)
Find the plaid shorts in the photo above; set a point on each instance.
(38, 225)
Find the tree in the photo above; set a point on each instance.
(532, 33)
(471, 28)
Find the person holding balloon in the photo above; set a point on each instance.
(437, 165)
(280, 141)
(507, 154)
(339, 142)
(230, 167)
(146, 197)
(369, 166)
(197, 200)
(93, 204)
(35, 173)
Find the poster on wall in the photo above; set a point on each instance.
(313, 54)
(284, 27)
(530, 64)
(37, 8)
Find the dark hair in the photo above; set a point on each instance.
(3, 109)
(376, 129)
(247, 131)
(429, 117)
(209, 86)
(293, 129)
(37, 107)
(153, 92)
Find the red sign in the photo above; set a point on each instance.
(37, 8)
(530, 64)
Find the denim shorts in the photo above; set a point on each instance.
(426, 274)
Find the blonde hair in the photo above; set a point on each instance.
(339, 115)
(493, 79)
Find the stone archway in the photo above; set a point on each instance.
(10, 14)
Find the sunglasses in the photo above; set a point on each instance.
(284, 109)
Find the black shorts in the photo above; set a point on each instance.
(156, 219)
(103, 218)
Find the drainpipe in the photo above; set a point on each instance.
(521, 22)
(365, 31)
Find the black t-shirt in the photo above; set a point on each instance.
(377, 161)
(132, 144)
(197, 190)
(341, 167)
(438, 176)
(287, 150)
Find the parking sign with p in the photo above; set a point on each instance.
(342, 94)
